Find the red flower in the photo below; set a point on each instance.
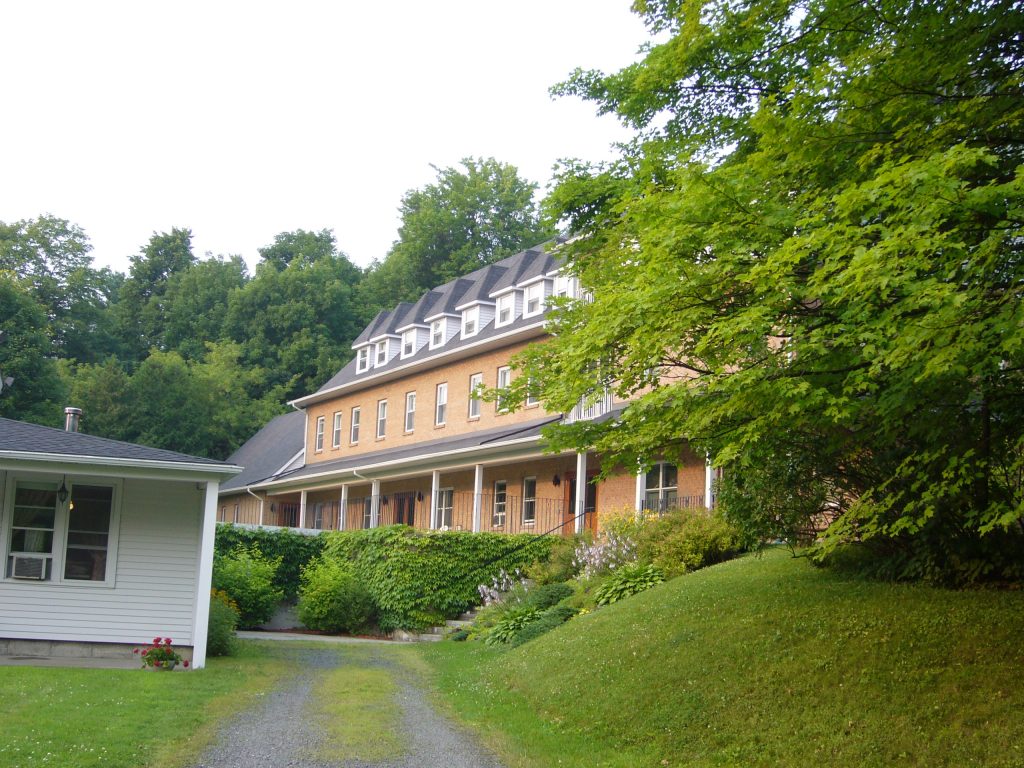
(156, 641)
(156, 663)
(167, 640)
(135, 650)
(185, 663)
(144, 652)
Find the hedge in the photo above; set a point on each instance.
(420, 578)
(294, 549)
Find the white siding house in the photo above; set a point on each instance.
(104, 545)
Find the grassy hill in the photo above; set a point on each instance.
(757, 662)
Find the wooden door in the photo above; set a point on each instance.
(589, 508)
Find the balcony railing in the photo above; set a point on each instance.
(585, 412)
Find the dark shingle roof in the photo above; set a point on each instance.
(268, 450)
(20, 437)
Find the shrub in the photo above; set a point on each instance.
(628, 580)
(685, 540)
(551, 618)
(611, 550)
(294, 549)
(511, 624)
(331, 599)
(543, 596)
(560, 562)
(248, 578)
(220, 640)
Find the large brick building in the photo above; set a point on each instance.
(398, 435)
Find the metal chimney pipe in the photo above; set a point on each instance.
(71, 417)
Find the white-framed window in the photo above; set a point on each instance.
(237, 510)
(531, 393)
(470, 321)
(319, 445)
(363, 360)
(441, 408)
(504, 380)
(336, 432)
(475, 381)
(318, 515)
(500, 503)
(529, 500)
(368, 512)
(437, 333)
(353, 434)
(505, 310)
(70, 541)
(565, 286)
(533, 299)
(410, 411)
(445, 505)
(662, 487)
(382, 418)
(382, 353)
(409, 342)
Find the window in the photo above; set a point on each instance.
(662, 488)
(529, 500)
(319, 434)
(506, 309)
(504, 379)
(353, 435)
(409, 342)
(318, 515)
(531, 393)
(368, 512)
(87, 520)
(382, 353)
(445, 504)
(470, 321)
(336, 434)
(476, 380)
(437, 330)
(382, 417)
(410, 411)
(500, 503)
(534, 299)
(565, 286)
(441, 412)
(362, 359)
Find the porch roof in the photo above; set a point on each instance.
(461, 449)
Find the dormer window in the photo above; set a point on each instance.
(409, 342)
(565, 285)
(437, 333)
(506, 309)
(470, 321)
(382, 353)
(363, 360)
(534, 300)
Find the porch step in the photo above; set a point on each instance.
(458, 623)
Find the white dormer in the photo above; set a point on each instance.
(535, 297)
(442, 328)
(508, 308)
(413, 339)
(566, 286)
(363, 359)
(470, 321)
(384, 348)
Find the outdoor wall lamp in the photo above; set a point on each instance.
(419, 495)
(556, 481)
(62, 492)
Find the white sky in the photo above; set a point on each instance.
(240, 120)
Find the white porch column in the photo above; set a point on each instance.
(375, 504)
(343, 510)
(641, 491)
(581, 490)
(302, 510)
(204, 577)
(435, 485)
(478, 492)
(262, 504)
(709, 479)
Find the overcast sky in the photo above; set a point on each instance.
(240, 120)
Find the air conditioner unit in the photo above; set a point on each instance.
(29, 567)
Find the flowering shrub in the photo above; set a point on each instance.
(612, 550)
(501, 584)
(160, 655)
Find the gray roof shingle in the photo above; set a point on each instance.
(268, 450)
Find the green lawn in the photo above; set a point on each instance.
(757, 662)
(76, 718)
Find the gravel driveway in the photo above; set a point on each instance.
(280, 733)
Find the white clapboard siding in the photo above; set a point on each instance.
(155, 583)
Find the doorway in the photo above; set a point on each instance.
(589, 506)
(405, 509)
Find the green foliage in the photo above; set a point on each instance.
(293, 550)
(553, 617)
(332, 599)
(545, 596)
(559, 564)
(511, 624)
(25, 356)
(817, 238)
(248, 579)
(685, 540)
(626, 581)
(418, 579)
(224, 617)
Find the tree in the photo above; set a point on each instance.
(26, 356)
(102, 391)
(300, 244)
(195, 305)
(810, 263)
(465, 220)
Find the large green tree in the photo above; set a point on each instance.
(26, 356)
(809, 262)
(469, 217)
